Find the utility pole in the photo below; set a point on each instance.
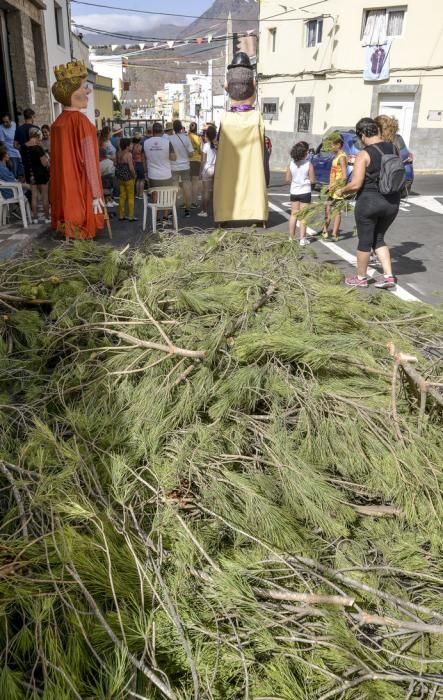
(211, 74)
(229, 51)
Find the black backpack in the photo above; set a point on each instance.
(392, 176)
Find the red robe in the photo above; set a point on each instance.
(75, 176)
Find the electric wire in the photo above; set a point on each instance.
(201, 17)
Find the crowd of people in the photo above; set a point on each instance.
(24, 157)
(377, 181)
(163, 157)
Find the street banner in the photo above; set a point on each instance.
(377, 62)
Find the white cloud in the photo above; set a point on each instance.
(125, 23)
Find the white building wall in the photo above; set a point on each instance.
(58, 47)
(329, 75)
(80, 51)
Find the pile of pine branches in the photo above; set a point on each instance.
(210, 486)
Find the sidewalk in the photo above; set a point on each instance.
(14, 239)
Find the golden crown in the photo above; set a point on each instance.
(74, 69)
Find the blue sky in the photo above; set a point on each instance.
(110, 20)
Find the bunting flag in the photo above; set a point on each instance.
(170, 44)
(209, 38)
(141, 46)
(200, 40)
(114, 46)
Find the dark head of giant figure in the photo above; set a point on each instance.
(240, 82)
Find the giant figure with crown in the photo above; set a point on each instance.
(76, 191)
(239, 183)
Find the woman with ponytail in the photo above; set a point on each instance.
(374, 211)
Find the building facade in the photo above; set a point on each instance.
(80, 52)
(24, 80)
(58, 42)
(355, 58)
(103, 104)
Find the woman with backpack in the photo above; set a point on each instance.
(378, 177)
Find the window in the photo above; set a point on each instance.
(273, 37)
(314, 32)
(379, 25)
(270, 108)
(304, 116)
(39, 52)
(58, 14)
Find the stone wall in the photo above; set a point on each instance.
(282, 142)
(426, 145)
(27, 50)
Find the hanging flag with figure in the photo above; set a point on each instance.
(377, 62)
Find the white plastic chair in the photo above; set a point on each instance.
(166, 199)
(18, 198)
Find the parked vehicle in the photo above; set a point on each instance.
(322, 160)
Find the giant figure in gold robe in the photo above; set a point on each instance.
(239, 183)
(77, 206)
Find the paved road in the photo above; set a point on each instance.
(415, 239)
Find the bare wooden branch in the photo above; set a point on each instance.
(18, 498)
(311, 598)
(169, 349)
(406, 361)
(368, 619)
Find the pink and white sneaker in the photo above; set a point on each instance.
(355, 281)
(385, 282)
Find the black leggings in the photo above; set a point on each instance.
(374, 213)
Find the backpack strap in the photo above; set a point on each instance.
(375, 178)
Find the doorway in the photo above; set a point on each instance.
(6, 100)
(402, 108)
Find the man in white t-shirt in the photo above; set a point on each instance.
(181, 169)
(158, 156)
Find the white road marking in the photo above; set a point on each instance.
(350, 258)
(427, 202)
(416, 287)
(274, 207)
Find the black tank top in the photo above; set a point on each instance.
(370, 183)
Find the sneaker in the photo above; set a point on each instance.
(133, 218)
(304, 241)
(46, 221)
(386, 282)
(374, 261)
(334, 238)
(194, 206)
(35, 221)
(109, 205)
(325, 235)
(354, 281)
(187, 213)
(202, 213)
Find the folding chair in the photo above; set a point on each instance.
(18, 198)
(166, 199)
